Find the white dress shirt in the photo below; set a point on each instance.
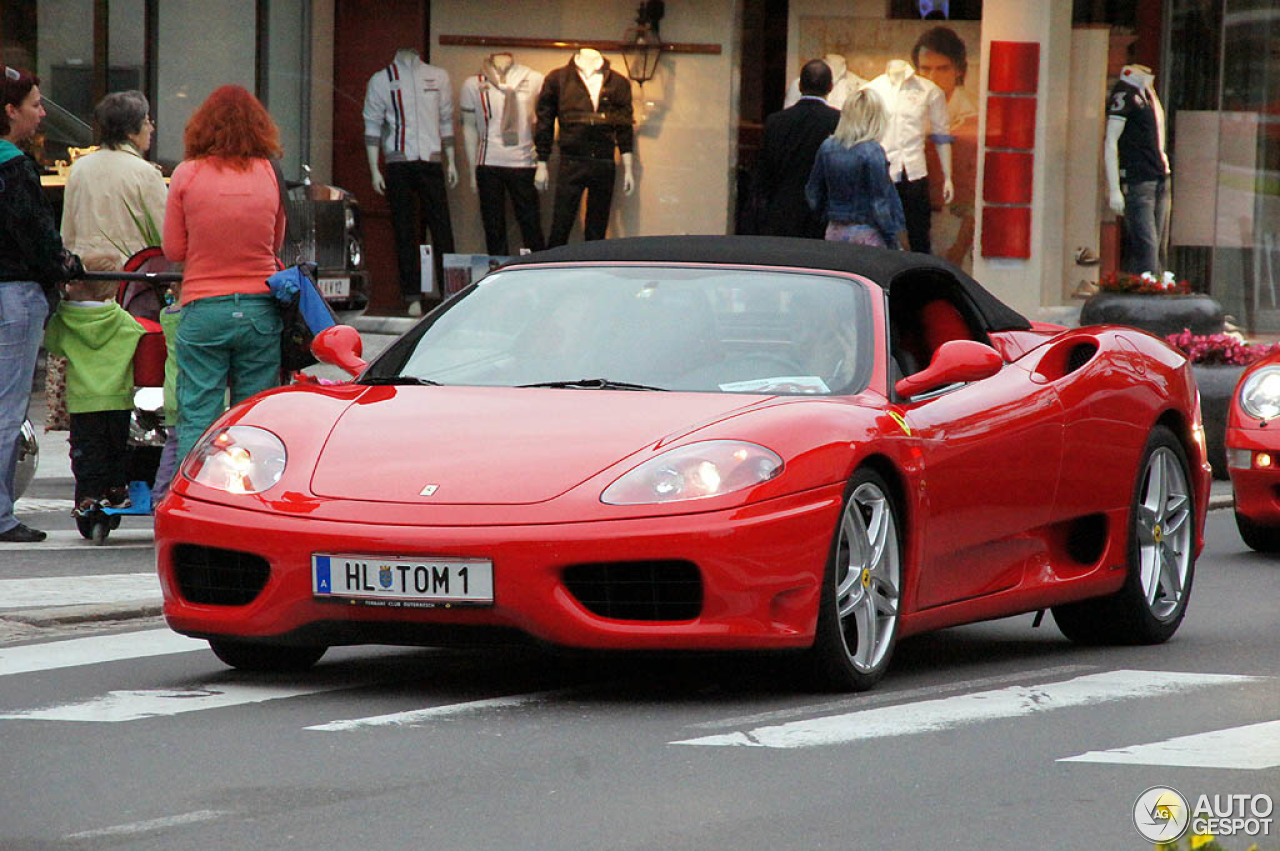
(917, 109)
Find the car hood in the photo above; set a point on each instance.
(498, 446)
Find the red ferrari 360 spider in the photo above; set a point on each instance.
(699, 443)
(1253, 454)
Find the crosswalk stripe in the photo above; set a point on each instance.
(48, 656)
(35, 505)
(136, 534)
(1254, 747)
(78, 590)
(946, 713)
(416, 716)
(120, 706)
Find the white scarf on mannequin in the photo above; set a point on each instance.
(510, 105)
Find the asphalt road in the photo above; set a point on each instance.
(993, 736)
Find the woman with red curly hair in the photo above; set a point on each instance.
(225, 222)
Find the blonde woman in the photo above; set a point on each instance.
(849, 185)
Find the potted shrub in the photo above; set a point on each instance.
(1161, 305)
(1218, 361)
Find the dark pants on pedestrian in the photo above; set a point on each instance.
(99, 441)
(494, 184)
(596, 177)
(915, 206)
(416, 196)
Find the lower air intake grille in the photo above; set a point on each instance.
(637, 590)
(215, 577)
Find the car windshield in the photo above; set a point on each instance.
(645, 328)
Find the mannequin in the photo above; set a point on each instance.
(917, 110)
(408, 114)
(592, 104)
(843, 83)
(498, 110)
(1137, 168)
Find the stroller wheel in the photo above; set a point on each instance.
(85, 526)
(101, 528)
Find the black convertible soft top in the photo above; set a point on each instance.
(883, 266)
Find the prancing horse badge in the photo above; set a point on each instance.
(429, 490)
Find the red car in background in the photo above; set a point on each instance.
(1253, 454)
(699, 443)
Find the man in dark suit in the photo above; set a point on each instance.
(791, 141)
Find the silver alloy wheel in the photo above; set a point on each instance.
(868, 577)
(1164, 532)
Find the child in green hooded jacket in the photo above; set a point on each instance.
(98, 338)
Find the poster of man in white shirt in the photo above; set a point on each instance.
(946, 54)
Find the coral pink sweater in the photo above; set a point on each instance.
(225, 226)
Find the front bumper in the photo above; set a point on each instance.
(761, 569)
(1256, 490)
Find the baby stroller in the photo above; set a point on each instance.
(142, 291)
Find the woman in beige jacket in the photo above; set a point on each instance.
(115, 198)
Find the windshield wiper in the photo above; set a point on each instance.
(595, 384)
(398, 381)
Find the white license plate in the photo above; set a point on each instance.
(402, 582)
(334, 287)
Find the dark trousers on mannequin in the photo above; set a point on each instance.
(495, 184)
(1146, 226)
(596, 177)
(919, 215)
(416, 196)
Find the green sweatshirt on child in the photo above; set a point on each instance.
(98, 340)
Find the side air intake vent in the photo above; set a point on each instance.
(1080, 355)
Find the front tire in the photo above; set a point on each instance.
(272, 658)
(1150, 606)
(1263, 539)
(861, 590)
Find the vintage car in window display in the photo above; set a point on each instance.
(1253, 454)
(701, 443)
(324, 224)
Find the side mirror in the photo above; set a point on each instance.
(954, 362)
(340, 346)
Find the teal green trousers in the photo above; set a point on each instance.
(224, 343)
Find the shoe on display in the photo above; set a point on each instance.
(1085, 256)
(22, 534)
(1084, 289)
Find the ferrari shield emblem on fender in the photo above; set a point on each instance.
(901, 421)
(429, 490)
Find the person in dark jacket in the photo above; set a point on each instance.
(791, 140)
(592, 104)
(33, 262)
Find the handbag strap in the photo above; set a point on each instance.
(284, 207)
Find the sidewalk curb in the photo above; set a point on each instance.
(91, 612)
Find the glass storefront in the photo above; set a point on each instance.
(176, 53)
(1223, 60)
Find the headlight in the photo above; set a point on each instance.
(355, 254)
(1260, 394)
(238, 459)
(696, 471)
(348, 218)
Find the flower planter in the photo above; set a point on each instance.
(1217, 383)
(1159, 314)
